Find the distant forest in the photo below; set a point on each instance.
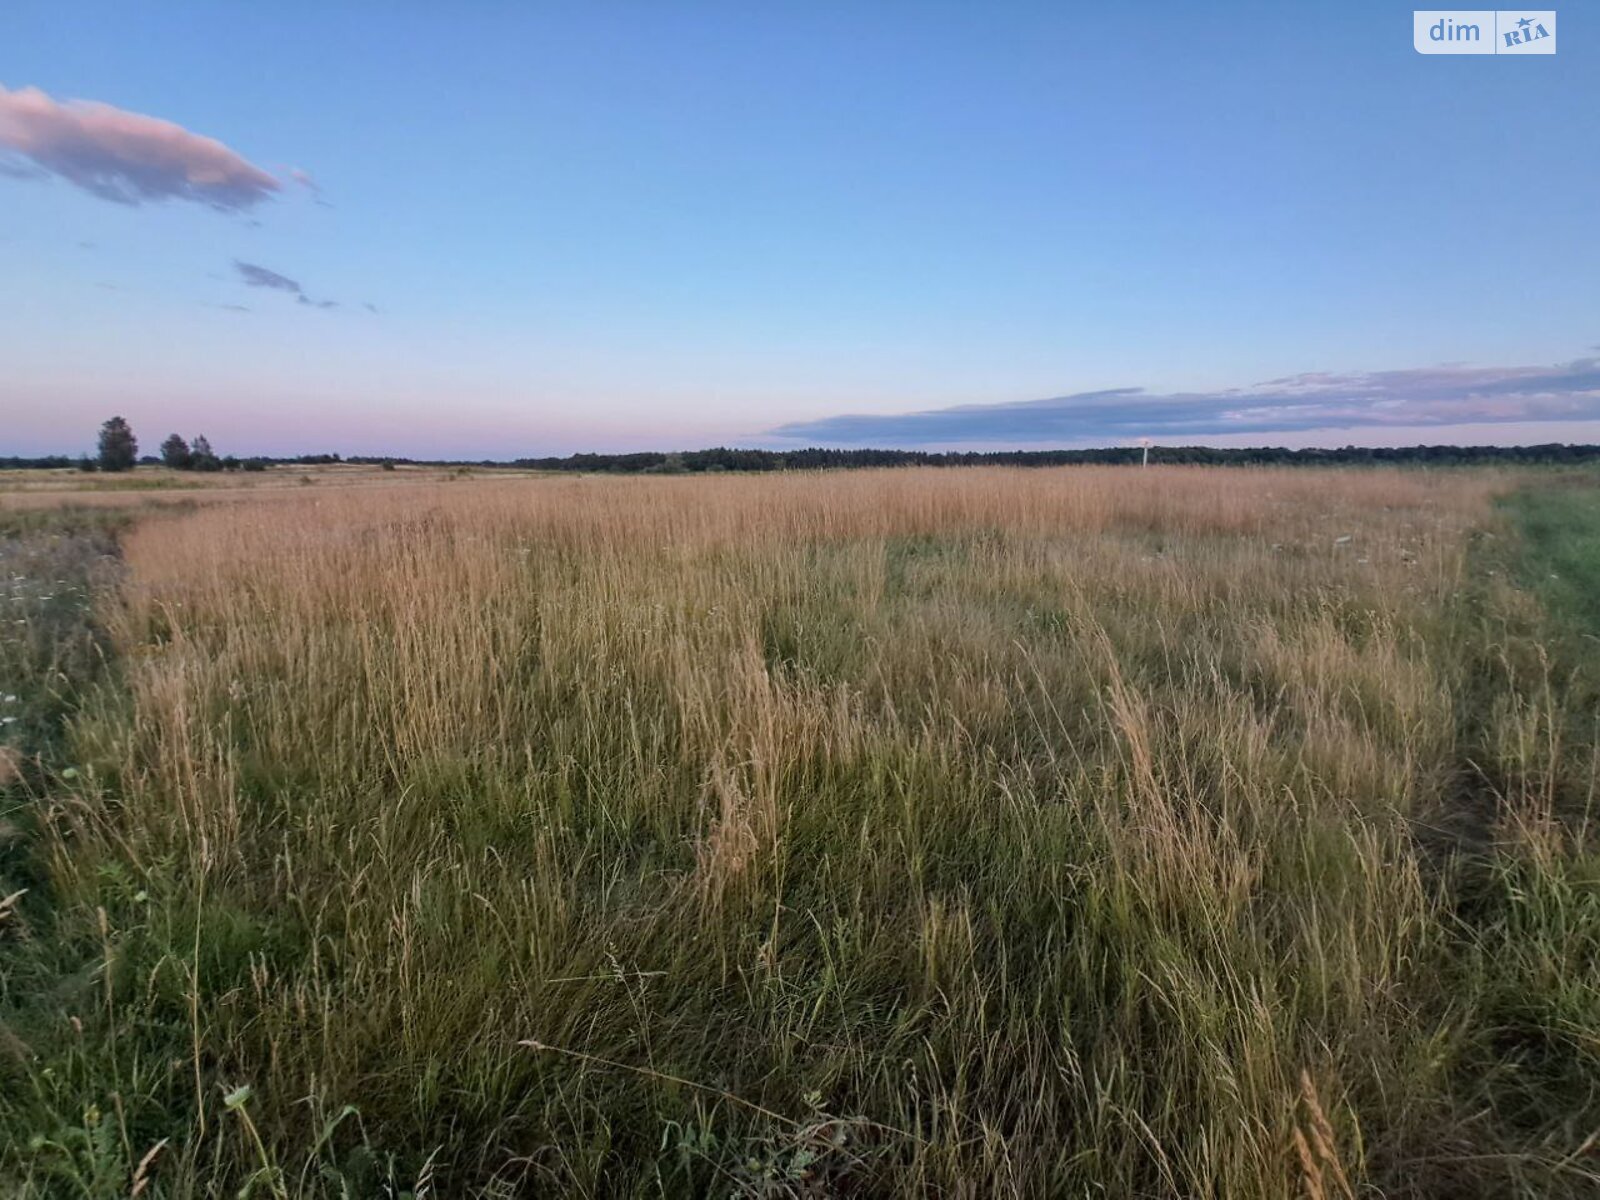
(721, 459)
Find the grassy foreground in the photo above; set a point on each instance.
(1093, 831)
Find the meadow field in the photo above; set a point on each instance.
(1181, 832)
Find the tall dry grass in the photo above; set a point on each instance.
(1181, 832)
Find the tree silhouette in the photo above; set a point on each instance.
(201, 456)
(118, 447)
(175, 453)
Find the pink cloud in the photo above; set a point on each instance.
(305, 180)
(126, 157)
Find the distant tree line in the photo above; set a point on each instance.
(118, 450)
(724, 459)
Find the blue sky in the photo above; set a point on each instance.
(539, 228)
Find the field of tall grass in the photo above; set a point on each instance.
(1094, 831)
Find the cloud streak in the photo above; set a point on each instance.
(304, 179)
(1423, 396)
(260, 277)
(124, 157)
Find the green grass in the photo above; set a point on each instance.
(1559, 524)
(53, 567)
(973, 857)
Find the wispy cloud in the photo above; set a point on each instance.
(1422, 396)
(11, 168)
(305, 180)
(122, 156)
(255, 276)
(261, 277)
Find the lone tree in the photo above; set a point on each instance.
(118, 447)
(175, 453)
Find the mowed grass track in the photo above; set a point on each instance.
(1177, 832)
(1560, 527)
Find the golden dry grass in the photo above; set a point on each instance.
(39, 490)
(962, 832)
